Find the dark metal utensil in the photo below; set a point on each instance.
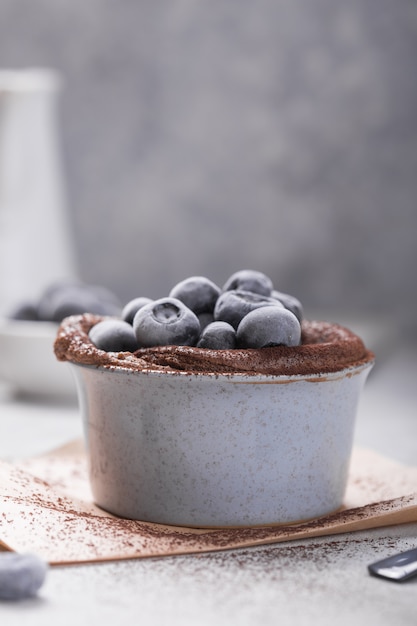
(397, 568)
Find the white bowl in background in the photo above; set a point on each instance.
(27, 360)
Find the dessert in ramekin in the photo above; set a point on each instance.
(191, 436)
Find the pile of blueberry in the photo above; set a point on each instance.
(61, 299)
(246, 313)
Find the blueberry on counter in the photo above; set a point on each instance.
(131, 308)
(233, 305)
(218, 336)
(249, 280)
(21, 575)
(167, 321)
(269, 326)
(113, 336)
(197, 293)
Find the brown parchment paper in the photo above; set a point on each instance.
(46, 508)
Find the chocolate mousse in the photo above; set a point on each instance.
(325, 347)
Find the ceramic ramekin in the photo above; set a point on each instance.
(221, 450)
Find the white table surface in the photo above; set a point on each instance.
(315, 581)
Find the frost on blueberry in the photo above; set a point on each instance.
(113, 335)
(269, 326)
(233, 305)
(197, 293)
(21, 575)
(249, 280)
(218, 336)
(166, 321)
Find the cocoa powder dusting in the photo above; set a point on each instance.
(101, 533)
(43, 510)
(324, 348)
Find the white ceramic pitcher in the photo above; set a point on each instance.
(35, 238)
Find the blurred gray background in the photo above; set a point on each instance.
(207, 137)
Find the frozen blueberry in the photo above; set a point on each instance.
(233, 305)
(131, 308)
(26, 311)
(166, 321)
(63, 299)
(103, 295)
(205, 319)
(198, 293)
(21, 575)
(290, 302)
(249, 280)
(269, 326)
(113, 336)
(218, 336)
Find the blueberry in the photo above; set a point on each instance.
(290, 302)
(103, 295)
(232, 306)
(21, 575)
(131, 308)
(218, 336)
(205, 319)
(249, 280)
(269, 326)
(166, 321)
(198, 293)
(26, 311)
(113, 336)
(64, 299)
